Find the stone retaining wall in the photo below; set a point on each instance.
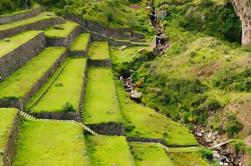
(119, 33)
(63, 42)
(114, 42)
(39, 25)
(20, 16)
(19, 103)
(81, 52)
(110, 128)
(11, 146)
(18, 57)
(58, 115)
(83, 92)
(100, 63)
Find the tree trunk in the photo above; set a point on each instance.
(242, 9)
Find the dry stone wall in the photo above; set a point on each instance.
(110, 128)
(11, 146)
(20, 102)
(39, 25)
(119, 33)
(18, 57)
(64, 42)
(19, 16)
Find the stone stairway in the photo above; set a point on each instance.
(28, 116)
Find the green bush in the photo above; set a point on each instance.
(68, 107)
(233, 126)
(206, 153)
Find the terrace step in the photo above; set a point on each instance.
(99, 54)
(62, 34)
(101, 109)
(17, 50)
(51, 143)
(28, 116)
(9, 130)
(39, 22)
(114, 150)
(20, 15)
(80, 45)
(65, 89)
(19, 87)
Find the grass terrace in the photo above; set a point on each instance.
(7, 117)
(109, 150)
(21, 81)
(65, 89)
(81, 42)
(51, 143)
(40, 17)
(188, 159)
(18, 11)
(144, 122)
(10, 44)
(101, 104)
(61, 30)
(125, 56)
(149, 154)
(99, 51)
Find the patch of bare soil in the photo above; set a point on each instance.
(135, 6)
(208, 69)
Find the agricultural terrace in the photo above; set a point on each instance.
(51, 143)
(125, 55)
(99, 51)
(23, 79)
(101, 104)
(81, 42)
(41, 17)
(109, 150)
(144, 122)
(65, 89)
(61, 30)
(10, 44)
(7, 118)
(149, 154)
(187, 158)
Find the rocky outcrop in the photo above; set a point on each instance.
(39, 25)
(63, 42)
(19, 16)
(11, 146)
(19, 56)
(243, 10)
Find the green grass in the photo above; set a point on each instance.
(81, 42)
(187, 159)
(149, 154)
(249, 156)
(101, 104)
(126, 55)
(51, 143)
(109, 150)
(144, 122)
(21, 81)
(66, 88)
(61, 30)
(16, 41)
(7, 117)
(40, 17)
(99, 51)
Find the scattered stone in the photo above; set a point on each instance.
(122, 47)
(136, 95)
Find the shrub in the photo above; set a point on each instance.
(68, 107)
(206, 153)
(233, 126)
